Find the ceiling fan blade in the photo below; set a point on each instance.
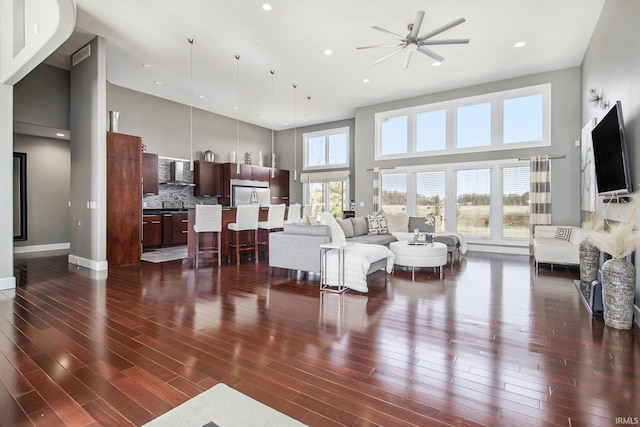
(398, 36)
(430, 53)
(444, 41)
(407, 58)
(441, 29)
(381, 45)
(386, 56)
(416, 26)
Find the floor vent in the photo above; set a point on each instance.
(81, 55)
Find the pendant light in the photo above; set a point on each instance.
(273, 173)
(190, 40)
(295, 132)
(238, 114)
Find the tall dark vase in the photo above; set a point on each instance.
(589, 263)
(618, 289)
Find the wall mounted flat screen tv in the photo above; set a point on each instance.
(610, 154)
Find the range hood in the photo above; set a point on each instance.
(176, 175)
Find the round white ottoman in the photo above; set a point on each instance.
(419, 255)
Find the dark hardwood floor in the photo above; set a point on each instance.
(492, 343)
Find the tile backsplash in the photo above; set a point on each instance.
(175, 192)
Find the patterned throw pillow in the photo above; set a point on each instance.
(377, 224)
(563, 233)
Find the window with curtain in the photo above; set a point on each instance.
(430, 196)
(515, 202)
(473, 200)
(393, 192)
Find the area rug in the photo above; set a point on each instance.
(165, 254)
(222, 406)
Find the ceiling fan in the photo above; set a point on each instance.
(414, 42)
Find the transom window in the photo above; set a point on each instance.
(326, 149)
(518, 118)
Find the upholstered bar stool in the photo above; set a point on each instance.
(247, 222)
(274, 222)
(293, 213)
(208, 220)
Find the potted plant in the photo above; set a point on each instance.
(618, 274)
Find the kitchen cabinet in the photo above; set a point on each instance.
(232, 170)
(279, 186)
(149, 174)
(260, 173)
(208, 178)
(152, 231)
(179, 229)
(124, 199)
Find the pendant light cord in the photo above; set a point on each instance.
(238, 114)
(272, 118)
(191, 105)
(295, 132)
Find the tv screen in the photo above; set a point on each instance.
(610, 154)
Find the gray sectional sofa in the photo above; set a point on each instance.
(356, 230)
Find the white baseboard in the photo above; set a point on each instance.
(40, 248)
(636, 315)
(498, 249)
(7, 283)
(88, 263)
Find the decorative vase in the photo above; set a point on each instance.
(260, 159)
(589, 263)
(618, 289)
(247, 158)
(208, 156)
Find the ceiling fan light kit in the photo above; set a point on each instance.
(414, 42)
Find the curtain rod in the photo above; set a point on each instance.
(382, 169)
(550, 157)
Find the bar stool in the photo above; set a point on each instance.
(246, 220)
(274, 222)
(208, 220)
(293, 213)
(307, 211)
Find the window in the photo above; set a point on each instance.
(473, 201)
(394, 135)
(515, 202)
(393, 190)
(518, 118)
(326, 191)
(431, 130)
(326, 149)
(430, 196)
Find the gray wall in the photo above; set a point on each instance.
(565, 130)
(42, 98)
(164, 128)
(48, 168)
(612, 65)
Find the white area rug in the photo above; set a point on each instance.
(224, 407)
(165, 254)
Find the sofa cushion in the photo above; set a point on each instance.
(360, 227)
(373, 239)
(563, 233)
(377, 224)
(337, 235)
(347, 227)
(313, 230)
(398, 222)
(417, 222)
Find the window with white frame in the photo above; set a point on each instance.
(515, 202)
(518, 118)
(326, 149)
(473, 202)
(393, 192)
(431, 196)
(326, 191)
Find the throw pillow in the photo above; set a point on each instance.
(311, 221)
(377, 224)
(563, 233)
(398, 222)
(337, 235)
(360, 227)
(347, 227)
(417, 222)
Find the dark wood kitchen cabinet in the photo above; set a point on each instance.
(149, 174)
(152, 231)
(279, 186)
(209, 178)
(124, 199)
(179, 230)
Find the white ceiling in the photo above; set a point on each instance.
(291, 40)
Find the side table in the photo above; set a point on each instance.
(340, 285)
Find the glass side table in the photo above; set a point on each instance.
(339, 286)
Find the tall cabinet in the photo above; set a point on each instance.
(124, 199)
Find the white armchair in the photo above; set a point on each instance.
(557, 244)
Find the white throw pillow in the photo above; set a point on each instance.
(337, 235)
(398, 222)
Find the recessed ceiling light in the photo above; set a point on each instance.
(146, 65)
(328, 52)
(59, 134)
(365, 80)
(266, 7)
(519, 44)
(159, 83)
(201, 96)
(436, 64)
